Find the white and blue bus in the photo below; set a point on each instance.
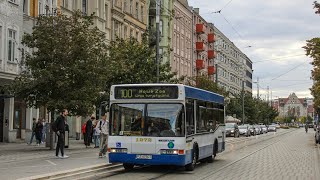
(164, 124)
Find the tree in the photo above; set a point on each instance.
(313, 50)
(203, 82)
(67, 67)
(133, 62)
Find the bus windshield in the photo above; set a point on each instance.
(157, 120)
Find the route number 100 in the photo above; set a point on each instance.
(126, 93)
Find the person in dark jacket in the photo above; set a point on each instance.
(33, 130)
(88, 131)
(38, 130)
(60, 132)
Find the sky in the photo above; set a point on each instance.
(271, 33)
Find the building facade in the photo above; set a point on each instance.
(129, 18)
(203, 51)
(233, 66)
(166, 27)
(292, 106)
(181, 59)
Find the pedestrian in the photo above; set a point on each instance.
(44, 131)
(38, 130)
(104, 127)
(33, 130)
(97, 131)
(88, 131)
(60, 121)
(83, 129)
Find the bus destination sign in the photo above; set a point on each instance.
(146, 92)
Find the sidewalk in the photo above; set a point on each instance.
(19, 160)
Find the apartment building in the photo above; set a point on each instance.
(203, 39)
(135, 19)
(181, 59)
(166, 27)
(233, 66)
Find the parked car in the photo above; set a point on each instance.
(258, 129)
(272, 128)
(232, 130)
(264, 129)
(244, 130)
(278, 126)
(252, 130)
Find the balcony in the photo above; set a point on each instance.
(200, 28)
(211, 54)
(211, 70)
(200, 46)
(211, 38)
(200, 64)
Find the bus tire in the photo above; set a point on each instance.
(192, 165)
(127, 166)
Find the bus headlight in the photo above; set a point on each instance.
(118, 150)
(171, 151)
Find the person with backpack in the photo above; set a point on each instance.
(104, 127)
(97, 131)
(60, 131)
(38, 131)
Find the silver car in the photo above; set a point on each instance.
(264, 129)
(244, 130)
(258, 129)
(272, 128)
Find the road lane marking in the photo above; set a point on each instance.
(51, 162)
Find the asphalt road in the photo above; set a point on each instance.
(286, 154)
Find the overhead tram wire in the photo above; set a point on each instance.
(288, 71)
(226, 5)
(284, 57)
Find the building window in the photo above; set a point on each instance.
(142, 18)
(106, 15)
(137, 36)
(137, 10)
(125, 32)
(84, 6)
(11, 45)
(131, 6)
(131, 33)
(161, 27)
(101, 6)
(40, 8)
(125, 6)
(25, 6)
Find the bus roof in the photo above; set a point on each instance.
(190, 92)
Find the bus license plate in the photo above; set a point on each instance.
(143, 156)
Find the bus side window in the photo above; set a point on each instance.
(190, 117)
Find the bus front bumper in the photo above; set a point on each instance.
(178, 160)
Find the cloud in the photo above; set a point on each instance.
(277, 30)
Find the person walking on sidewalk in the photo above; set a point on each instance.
(33, 130)
(38, 130)
(96, 132)
(88, 131)
(44, 131)
(60, 121)
(104, 127)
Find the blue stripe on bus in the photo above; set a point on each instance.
(195, 93)
(178, 160)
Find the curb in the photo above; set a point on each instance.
(61, 174)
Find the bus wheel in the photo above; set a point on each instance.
(127, 166)
(215, 149)
(192, 165)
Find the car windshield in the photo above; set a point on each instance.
(242, 127)
(229, 125)
(158, 120)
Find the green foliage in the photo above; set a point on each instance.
(313, 50)
(255, 110)
(204, 82)
(132, 62)
(66, 68)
